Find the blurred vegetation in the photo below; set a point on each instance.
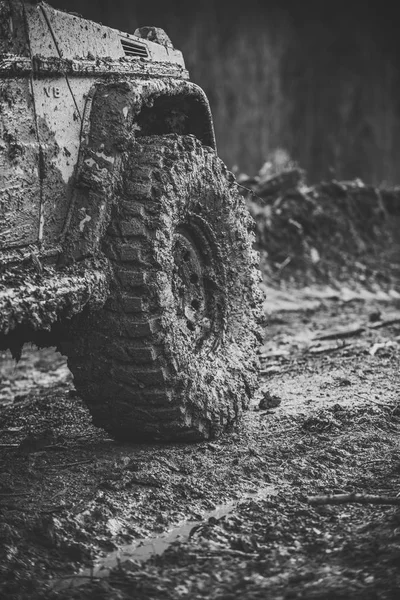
(320, 81)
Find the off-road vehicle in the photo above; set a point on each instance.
(123, 239)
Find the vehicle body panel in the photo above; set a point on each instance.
(73, 95)
(19, 166)
(59, 59)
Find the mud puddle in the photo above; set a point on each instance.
(144, 549)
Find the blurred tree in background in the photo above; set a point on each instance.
(319, 80)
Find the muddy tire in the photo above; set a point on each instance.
(172, 355)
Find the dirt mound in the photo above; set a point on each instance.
(326, 233)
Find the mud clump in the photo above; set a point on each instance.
(325, 233)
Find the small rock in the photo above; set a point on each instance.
(269, 401)
(212, 447)
(342, 381)
(374, 316)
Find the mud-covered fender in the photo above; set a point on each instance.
(116, 114)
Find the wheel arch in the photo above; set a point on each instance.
(182, 109)
(116, 114)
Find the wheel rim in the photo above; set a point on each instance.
(197, 284)
(189, 287)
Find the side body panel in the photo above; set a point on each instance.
(46, 122)
(70, 54)
(19, 165)
(59, 119)
(19, 149)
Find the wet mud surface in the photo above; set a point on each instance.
(79, 511)
(37, 370)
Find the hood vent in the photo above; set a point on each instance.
(132, 48)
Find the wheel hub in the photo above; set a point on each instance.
(189, 286)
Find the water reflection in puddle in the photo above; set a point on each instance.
(142, 550)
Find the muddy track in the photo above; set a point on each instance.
(71, 497)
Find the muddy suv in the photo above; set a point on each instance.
(123, 239)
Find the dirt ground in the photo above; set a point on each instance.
(85, 517)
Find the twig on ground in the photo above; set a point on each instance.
(9, 445)
(330, 348)
(165, 462)
(381, 404)
(384, 323)
(274, 371)
(63, 491)
(284, 264)
(334, 334)
(357, 498)
(12, 430)
(372, 401)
